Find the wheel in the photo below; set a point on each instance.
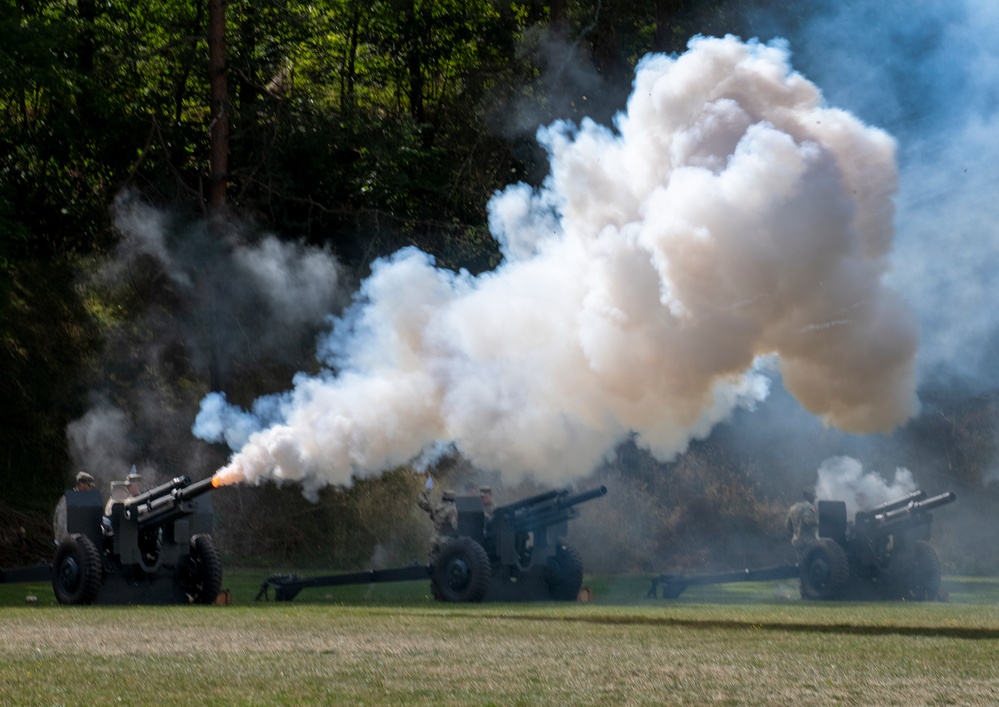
(922, 573)
(825, 571)
(462, 571)
(201, 576)
(564, 573)
(76, 571)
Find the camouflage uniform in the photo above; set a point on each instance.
(488, 505)
(123, 490)
(803, 525)
(84, 482)
(444, 515)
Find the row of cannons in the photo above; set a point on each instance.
(156, 548)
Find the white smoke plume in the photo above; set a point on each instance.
(731, 220)
(844, 479)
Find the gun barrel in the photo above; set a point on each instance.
(561, 508)
(164, 503)
(897, 503)
(583, 497)
(919, 506)
(157, 492)
(511, 508)
(196, 489)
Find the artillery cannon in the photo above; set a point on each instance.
(518, 553)
(884, 553)
(154, 548)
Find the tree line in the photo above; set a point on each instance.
(356, 127)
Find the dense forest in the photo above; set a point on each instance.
(148, 150)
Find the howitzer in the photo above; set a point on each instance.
(518, 553)
(153, 548)
(884, 553)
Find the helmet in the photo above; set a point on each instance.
(85, 478)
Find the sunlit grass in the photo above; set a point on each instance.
(389, 644)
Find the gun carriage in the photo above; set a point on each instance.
(884, 553)
(154, 548)
(517, 554)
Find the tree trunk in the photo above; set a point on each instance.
(414, 62)
(354, 31)
(218, 153)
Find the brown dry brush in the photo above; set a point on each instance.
(696, 513)
(25, 537)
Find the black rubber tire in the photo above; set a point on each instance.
(76, 571)
(923, 573)
(202, 574)
(564, 573)
(462, 572)
(825, 571)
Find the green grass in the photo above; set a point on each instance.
(749, 643)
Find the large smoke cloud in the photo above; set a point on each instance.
(731, 221)
(927, 73)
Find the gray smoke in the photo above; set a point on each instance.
(844, 479)
(208, 293)
(254, 291)
(729, 224)
(100, 442)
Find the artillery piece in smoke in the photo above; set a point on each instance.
(519, 554)
(884, 553)
(155, 548)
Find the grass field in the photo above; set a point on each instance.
(750, 643)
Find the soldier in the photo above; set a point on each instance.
(488, 505)
(803, 524)
(444, 516)
(120, 491)
(84, 482)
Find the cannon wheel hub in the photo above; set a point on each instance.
(463, 572)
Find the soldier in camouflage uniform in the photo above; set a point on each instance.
(123, 490)
(444, 515)
(488, 505)
(803, 524)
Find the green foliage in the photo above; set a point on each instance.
(44, 339)
(359, 126)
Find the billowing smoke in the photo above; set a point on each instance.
(205, 297)
(731, 221)
(100, 442)
(844, 479)
(927, 73)
(244, 293)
